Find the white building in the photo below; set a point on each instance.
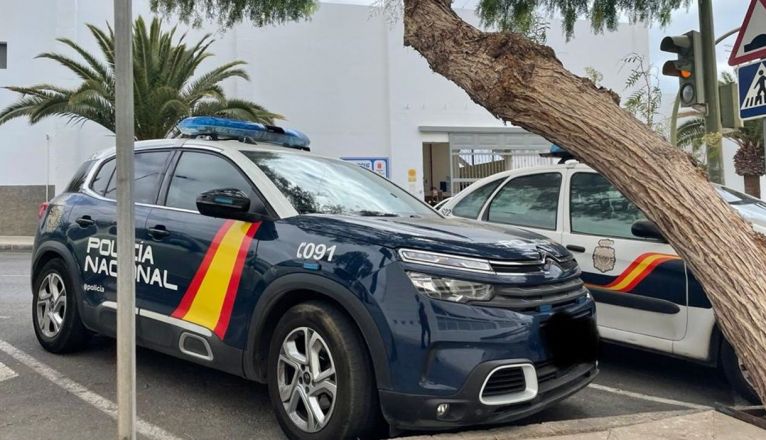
(344, 78)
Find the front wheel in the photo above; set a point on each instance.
(736, 373)
(320, 376)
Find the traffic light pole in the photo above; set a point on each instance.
(126, 231)
(677, 103)
(713, 105)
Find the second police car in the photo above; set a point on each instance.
(352, 299)
(645, 294)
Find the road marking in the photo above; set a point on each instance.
(6, 373)
(103, 404)
(647, 397)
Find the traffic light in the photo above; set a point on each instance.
(688, 66)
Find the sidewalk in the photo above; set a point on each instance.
(15, 243)
(673, 425)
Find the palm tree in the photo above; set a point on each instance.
(165, 87)
(749, 158)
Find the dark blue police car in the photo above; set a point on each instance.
(348, 296)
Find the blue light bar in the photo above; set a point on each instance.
(555, 149)
(235, 128)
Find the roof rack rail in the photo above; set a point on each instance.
(245, 131)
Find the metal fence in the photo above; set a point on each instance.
(471, 164)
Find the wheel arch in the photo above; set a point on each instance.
(293, 289)
(51, 250)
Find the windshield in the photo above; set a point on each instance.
(750, 208)
(317, 185)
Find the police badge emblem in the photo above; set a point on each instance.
(604, 256)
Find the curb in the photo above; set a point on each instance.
(551, 429)
(8, 247)
(16, 244)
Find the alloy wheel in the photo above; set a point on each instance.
(306, 379)
(51, 305)
(745, 373)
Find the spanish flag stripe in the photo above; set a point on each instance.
(208, 302)
(646, 265)
(627, 276)
(191, 291)
(640, 277)
(630, 269)
(638, 270)
(231, 291)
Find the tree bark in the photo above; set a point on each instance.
(524, 83)
(753, 185)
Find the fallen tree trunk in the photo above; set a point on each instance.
(524, 83)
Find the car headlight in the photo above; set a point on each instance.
(450, 289)
(442, 260)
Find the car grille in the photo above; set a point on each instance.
(527, 267)
(505, 381)
(546, 371)
(523, 299)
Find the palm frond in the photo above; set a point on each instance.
(691, 133)
(166, 86)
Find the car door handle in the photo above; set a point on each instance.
(575, 248)
(85, 221)
(159, 232)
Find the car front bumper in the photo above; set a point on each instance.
(419, 412)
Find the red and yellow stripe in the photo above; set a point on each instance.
(209, 299)
(639, 269)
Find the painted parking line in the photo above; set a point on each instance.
(103, 404)
(648, 397)
(6, 373)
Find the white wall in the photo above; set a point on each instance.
(343, 77)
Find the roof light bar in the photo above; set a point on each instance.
(234, 128)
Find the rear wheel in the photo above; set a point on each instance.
(55, 316)
(736, 373)
(319, 376)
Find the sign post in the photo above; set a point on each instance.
(126, 232)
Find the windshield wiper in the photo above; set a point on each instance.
(365, 213)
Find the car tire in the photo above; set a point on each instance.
(334, 343)
(736, 374)
(55, 316)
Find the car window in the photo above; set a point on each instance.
(319, 185)
(470, 205)
(598, 208)
(104, 175)
(200, 172)
(148, 171)
(79, 177)
(528, 201)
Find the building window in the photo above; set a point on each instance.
(3, 55)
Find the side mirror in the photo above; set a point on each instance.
(647, 229)
(230, 203)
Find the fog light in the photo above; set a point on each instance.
(442, 409)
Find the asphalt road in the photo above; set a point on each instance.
(46, 396)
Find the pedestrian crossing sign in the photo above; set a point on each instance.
(752, 91)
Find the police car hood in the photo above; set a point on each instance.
(452, 236)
